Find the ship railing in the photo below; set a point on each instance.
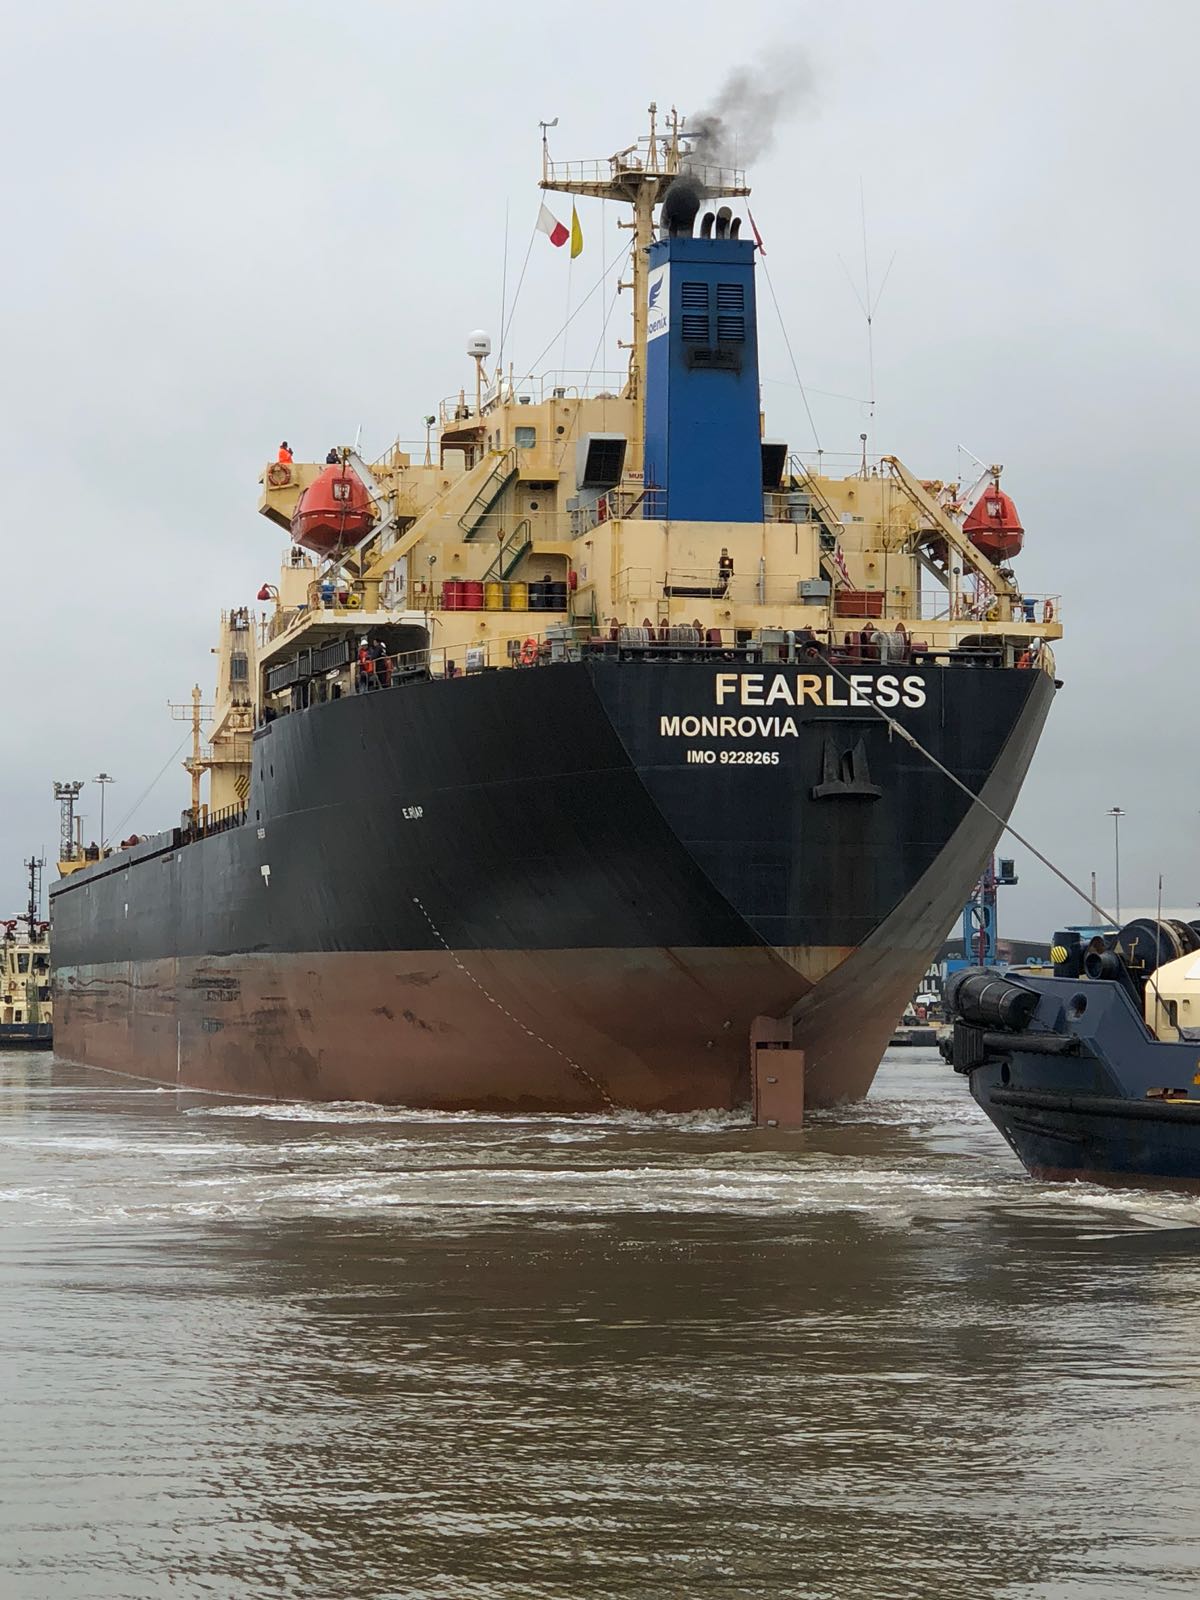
(495, 527)
(874, 605)
(240, 751)
(531, 389)
(718, 180)
(209, 822)
(516, 595)
(675, 642)
(833, 464)
(646, 585)
(628, 502)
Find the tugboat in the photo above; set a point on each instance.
(1092, 1074)
(572, 766)
(25, 1004)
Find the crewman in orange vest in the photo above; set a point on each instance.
(285, 452)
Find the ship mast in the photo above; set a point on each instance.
(639, 177)
(34, 867)
(194, 765)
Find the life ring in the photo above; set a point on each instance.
(279, 474)
(353, 602)
(529, 653)
(1048, 611)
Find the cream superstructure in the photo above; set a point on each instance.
(514, 493)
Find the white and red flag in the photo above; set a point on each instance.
(557, 232)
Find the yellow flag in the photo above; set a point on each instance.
(576, 234)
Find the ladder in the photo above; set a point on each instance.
(493, 486)
(512, 552)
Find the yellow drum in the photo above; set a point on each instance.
(493, 597)
(518, 597)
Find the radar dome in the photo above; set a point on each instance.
(479, 343)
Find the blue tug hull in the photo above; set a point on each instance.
(1083, 1090)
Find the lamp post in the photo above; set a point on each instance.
(103, 779)
(1116, 814)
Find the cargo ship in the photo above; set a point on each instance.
(566, 765)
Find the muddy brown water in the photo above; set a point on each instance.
(354, 1354)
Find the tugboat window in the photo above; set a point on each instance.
(1077, 1006)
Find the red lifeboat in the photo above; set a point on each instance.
(333, 513)
(994, 527)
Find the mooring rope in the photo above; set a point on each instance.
(1005, 826)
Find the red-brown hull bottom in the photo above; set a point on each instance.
(497, 1030)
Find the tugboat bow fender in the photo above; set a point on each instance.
(980, 996)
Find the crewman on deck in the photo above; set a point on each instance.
(366, 667)
(724, 569)
(332, 459)
(285, 453)
(383, 667)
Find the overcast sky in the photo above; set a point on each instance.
(230, 223)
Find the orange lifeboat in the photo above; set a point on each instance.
(333, 513)
(994, 527)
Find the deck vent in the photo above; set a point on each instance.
(600, 460)
(774, 459)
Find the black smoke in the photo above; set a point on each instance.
(751, 105)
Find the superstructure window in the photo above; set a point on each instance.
(525, 438)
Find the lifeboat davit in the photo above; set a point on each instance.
(333, 513)
(994, 527)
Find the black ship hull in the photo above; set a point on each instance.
(564, 888)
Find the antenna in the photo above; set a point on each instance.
(868, 304)
(503, 291)
(545, 127)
